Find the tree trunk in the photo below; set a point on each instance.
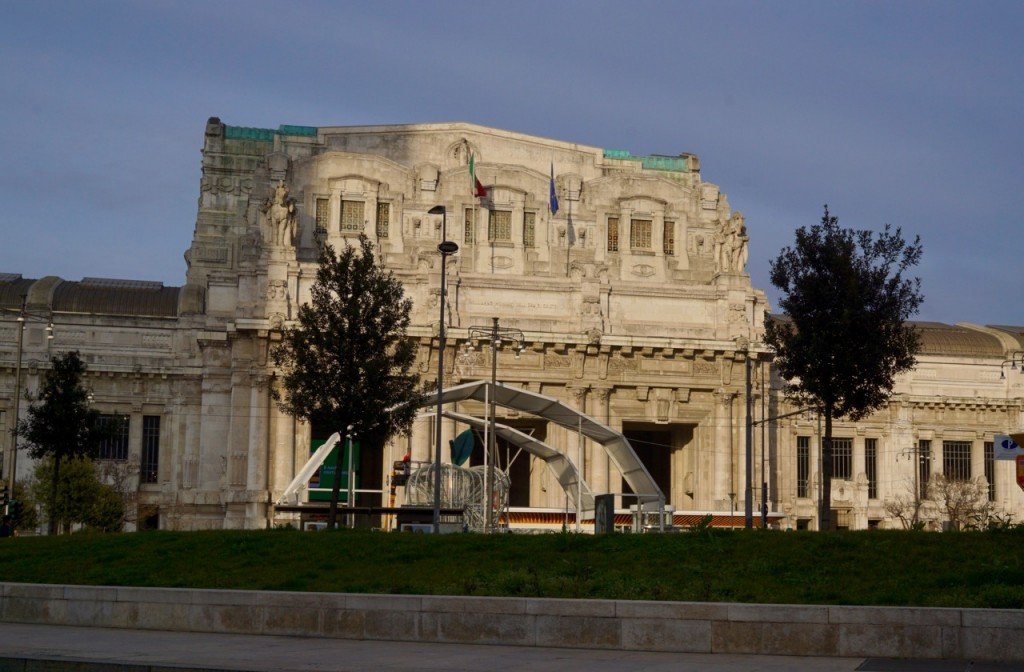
(52, 527)
(825, 505)
(332, 511)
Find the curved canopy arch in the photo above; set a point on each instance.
(620, 452)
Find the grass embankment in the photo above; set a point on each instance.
(869, 568)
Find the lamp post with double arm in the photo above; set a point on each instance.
(496, 335)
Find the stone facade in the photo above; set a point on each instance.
(633, 300)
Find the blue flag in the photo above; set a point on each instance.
(553, 198)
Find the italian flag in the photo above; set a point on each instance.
(474, 184)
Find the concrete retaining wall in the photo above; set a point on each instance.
(695, 627)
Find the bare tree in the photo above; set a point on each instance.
(906, 508)
(965, 501)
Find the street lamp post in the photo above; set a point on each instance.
(22, 319)
(446, 248)
(496, 335)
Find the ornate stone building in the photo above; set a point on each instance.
(633, 300)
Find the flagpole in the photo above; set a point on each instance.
(568, 239)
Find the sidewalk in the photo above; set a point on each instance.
(160, 651)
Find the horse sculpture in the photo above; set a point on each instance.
(281, 216)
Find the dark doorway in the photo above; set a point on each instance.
(654, 448)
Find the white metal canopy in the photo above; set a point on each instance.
(619, 451)
(614, 443)
(565, 470)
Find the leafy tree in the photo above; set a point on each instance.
(347, 360)
(62, 426)
(82, 497)
(25, 512)
(844, 339)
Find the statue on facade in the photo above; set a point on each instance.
(730, 251)
(281, 215)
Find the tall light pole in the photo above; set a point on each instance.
(748, 509)
(496, 335)
(446, 248)
(23, 316)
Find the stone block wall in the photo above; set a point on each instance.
(691, 627)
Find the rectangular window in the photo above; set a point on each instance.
(842, 458)
(352, 215)
(669, 244)
(871, 466)
(323, 218)
(924, 454)
(990, 469)
(115, 447)
(529, 229)
(383, 219)
(499, 226)
(956, 460)
(803, 464)
(467, 234)
(150, 463)
(613, 234)
(640, 234)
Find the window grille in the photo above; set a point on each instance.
(803, 464)
(115, 447)
(323, 218)
(352, 215)
(500, 225)
(669, 244)
(956, 460)
(467, 235)
(871, 466)
(990, 469)
(383, 219)
(640, 234)
(613, 234)
(529, 233)
(150, 463)
(842, 458)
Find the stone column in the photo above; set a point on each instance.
(599, 461)
(725, 464)
(579, 448)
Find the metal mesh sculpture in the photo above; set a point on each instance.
(461, 488)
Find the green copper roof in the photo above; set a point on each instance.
(267, 134)
(678, 164)
(304, 131)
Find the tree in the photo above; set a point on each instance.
(82, 497)
(62, 426)
(964, 500)
(844, 339)
(347, 360)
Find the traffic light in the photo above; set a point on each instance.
(3, 496)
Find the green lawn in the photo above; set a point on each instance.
(979, 569)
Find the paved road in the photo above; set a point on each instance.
(153, 651)
(258, 653)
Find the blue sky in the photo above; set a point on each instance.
(905, 113)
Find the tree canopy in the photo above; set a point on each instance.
(844, 338)
(347, 360)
